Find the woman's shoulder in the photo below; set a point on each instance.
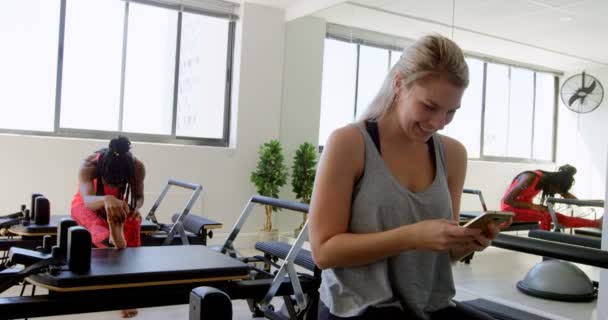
(346, 145)
(346, 139)
(452, 146)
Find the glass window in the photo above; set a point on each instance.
(466, 125)
(92, 61)
(544, 115)
(521, 106)
(512, 108)
(338, 86)
(373, 66)
(395, 56)
(202, 76)
(28, 64)
(149, 70)
(118, 70)
(497, 110)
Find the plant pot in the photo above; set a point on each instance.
(268, 235)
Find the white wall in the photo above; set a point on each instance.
(582, 142)
(49, 165)
(300, 113)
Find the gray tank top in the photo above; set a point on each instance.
(420, 281)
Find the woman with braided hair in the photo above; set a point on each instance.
(110, 192)
(525, 186)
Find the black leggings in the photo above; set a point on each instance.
(459, 311)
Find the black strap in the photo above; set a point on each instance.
(10, 279)
(372, 129)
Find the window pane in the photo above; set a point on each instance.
(202, 76)
(521, 99)
(149, 69)
(466, 126)
(92, 62)
(497, 110)
(395, 56)
(543, 116)
(338, 86)
(28, 64)
(373, 67)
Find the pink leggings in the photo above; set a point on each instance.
(545, 218)
(100, 230)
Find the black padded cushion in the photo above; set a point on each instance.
(591, 232)
(195, 223)
(148, 264)
(281, 249)
(148, 226)
(588, 242)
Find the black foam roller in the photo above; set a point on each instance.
(62, 235)
(207, 303)
(47, 243)
(42, 216)
(79, 250)
(33, 204)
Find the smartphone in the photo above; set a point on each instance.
(482, 220)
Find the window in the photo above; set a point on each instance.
(339, 84)
(466, 124)
(92, 59)
(352, 75)
(91, 68)
(373, 65)
(506, 113)
(29, 64)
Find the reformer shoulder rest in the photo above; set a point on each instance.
(281, 249)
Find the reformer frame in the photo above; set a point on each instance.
(557, 227)
(178, 226)
(288, 266)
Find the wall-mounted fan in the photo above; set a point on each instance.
(582, 93)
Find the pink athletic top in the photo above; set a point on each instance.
(524, 196)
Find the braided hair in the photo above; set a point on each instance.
(116, 166)
(560, 181)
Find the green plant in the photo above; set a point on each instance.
(303, 171)
(303, 175)
(270, 175)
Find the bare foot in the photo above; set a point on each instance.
(129, 313)
(117, 235)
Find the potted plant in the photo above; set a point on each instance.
(303, 176)
(269, 176)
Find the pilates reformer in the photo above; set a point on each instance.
(556, 226)
(157, 276)
(172, 285)
(28, 231)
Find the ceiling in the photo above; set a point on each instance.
(562, 35)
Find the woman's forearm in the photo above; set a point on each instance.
(94, 202)
(351, 249)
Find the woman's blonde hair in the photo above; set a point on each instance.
(431, 55)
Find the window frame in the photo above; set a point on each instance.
(485, 61)
(172, 138)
